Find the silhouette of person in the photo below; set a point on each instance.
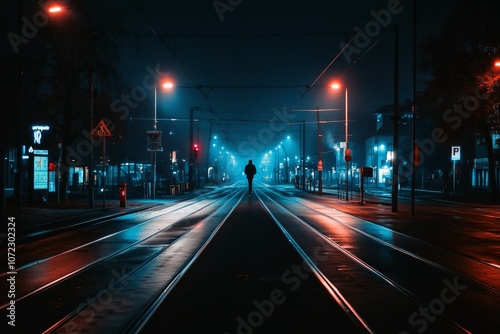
(250, 171)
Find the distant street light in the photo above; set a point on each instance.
(347, 151)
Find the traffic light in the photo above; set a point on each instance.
(196, 150)
(348, 156)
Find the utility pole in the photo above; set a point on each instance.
(191, 157)
(91, 157)
(320, 162)
(303, 155)
(395, 165)
(414, 111)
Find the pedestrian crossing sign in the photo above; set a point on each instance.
(101, 130)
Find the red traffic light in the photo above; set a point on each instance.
(196, 149)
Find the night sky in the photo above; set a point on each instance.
(255, 70)
(241, 64)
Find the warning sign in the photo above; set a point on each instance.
(101, 130)
(154, 141)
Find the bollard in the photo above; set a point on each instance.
(123, 195)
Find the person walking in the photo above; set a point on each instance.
(250, 171)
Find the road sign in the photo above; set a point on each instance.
(101, 130)
(455, 153)
(154, 141)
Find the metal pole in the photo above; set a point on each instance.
(278, 163)
(91, 157)
(303, 155)
(454, 166)
(413, 109)
(59, 158)
(18, 179)
(395, 169)
(362, 181)
(346, 144)
(104, 173)
(191, 154)
(153, 186)
(320, 163)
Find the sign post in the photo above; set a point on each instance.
(154, 145)
(101, 130)
(455, 155)
(347, 158)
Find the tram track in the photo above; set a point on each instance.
(366, 228)
(334, 311)
(157, 290)
(132, 253)
(323, 225)
(376, 279)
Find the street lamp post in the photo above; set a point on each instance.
(278, 164)
(347, 150)
(166, 85)
(320, 162)
(153, 186)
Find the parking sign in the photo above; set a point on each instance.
(455, 153)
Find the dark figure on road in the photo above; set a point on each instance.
(250, 171)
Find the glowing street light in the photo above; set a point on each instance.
(54, 9)
(167, 84)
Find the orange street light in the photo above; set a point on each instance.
(497, 63)
(54, 9)
(335, 85)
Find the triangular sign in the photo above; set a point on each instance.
(101, 130)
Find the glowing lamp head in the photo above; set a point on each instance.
(335, 85)
(53, 9)
(168, 85)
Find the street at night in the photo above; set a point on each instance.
(246, 167)
(279, 261)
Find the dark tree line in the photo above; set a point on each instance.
(78, 46)
(463, 81)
